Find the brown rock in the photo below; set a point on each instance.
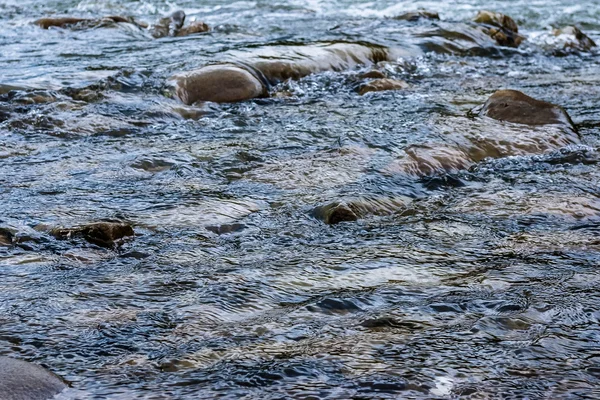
(105, 234)
(221, 83)
(194, 27)
(514, 106)
(335, 213)
(373, 74)
(379, 85)
(417, 15)
(62, 22)
(169, 25)
(502, 28)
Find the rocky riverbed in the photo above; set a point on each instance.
(299, 199)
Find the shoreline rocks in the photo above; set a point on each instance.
(21, 380)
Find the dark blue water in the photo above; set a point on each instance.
(481, 284)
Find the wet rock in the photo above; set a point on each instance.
(417, 15)
(194, 27)
(517, 107)
(169, 25)
(380, 85)
(335, 213)
(225, 228)
(222, 83)
(251, 75)
(105, 234)
(373, 74)
(61, 22)
(83, 23)
(356, 208)
(6, 237)
(502, 28)
(20, 380)
(573, 39)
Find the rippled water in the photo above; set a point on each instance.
(482, 283)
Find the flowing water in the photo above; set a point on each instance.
(478, 284)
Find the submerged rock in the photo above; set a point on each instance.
(380, 85)
(20, 380)
(517, 107)
(250, 76)
(105, 234)
(502, 28)
(417, 15)
(356, 208)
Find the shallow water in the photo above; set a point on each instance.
(478, 284)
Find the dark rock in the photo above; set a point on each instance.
(334, 213)
(514, 106)
(105, 234)
(226, 228)
(417, 15)
(20, 380)
(6, 237)
(380, 85)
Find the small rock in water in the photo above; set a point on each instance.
(194, 27)
(105, 234)
(373, 74)
(517, 107)
(417, 15)
(20, 380)
(502, 28)
(226, 228)
(380, 85)
(574, 39)
(335, 213)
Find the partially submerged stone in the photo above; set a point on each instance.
(373, 74)
(574, 39)
(105, 234)
(334, 213)
(6, 237)
(379, 85)
(250, 75)
(417, 15)
(171, 25)
(218, 83)
(502, 28)
(194, 27)
(20, 380)
(517, 107)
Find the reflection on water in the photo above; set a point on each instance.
(477, 281)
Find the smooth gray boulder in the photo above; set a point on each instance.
(21, 380)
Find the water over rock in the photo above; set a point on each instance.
(20, 380)
(517, 107)
(104, 234)
(380, 85)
